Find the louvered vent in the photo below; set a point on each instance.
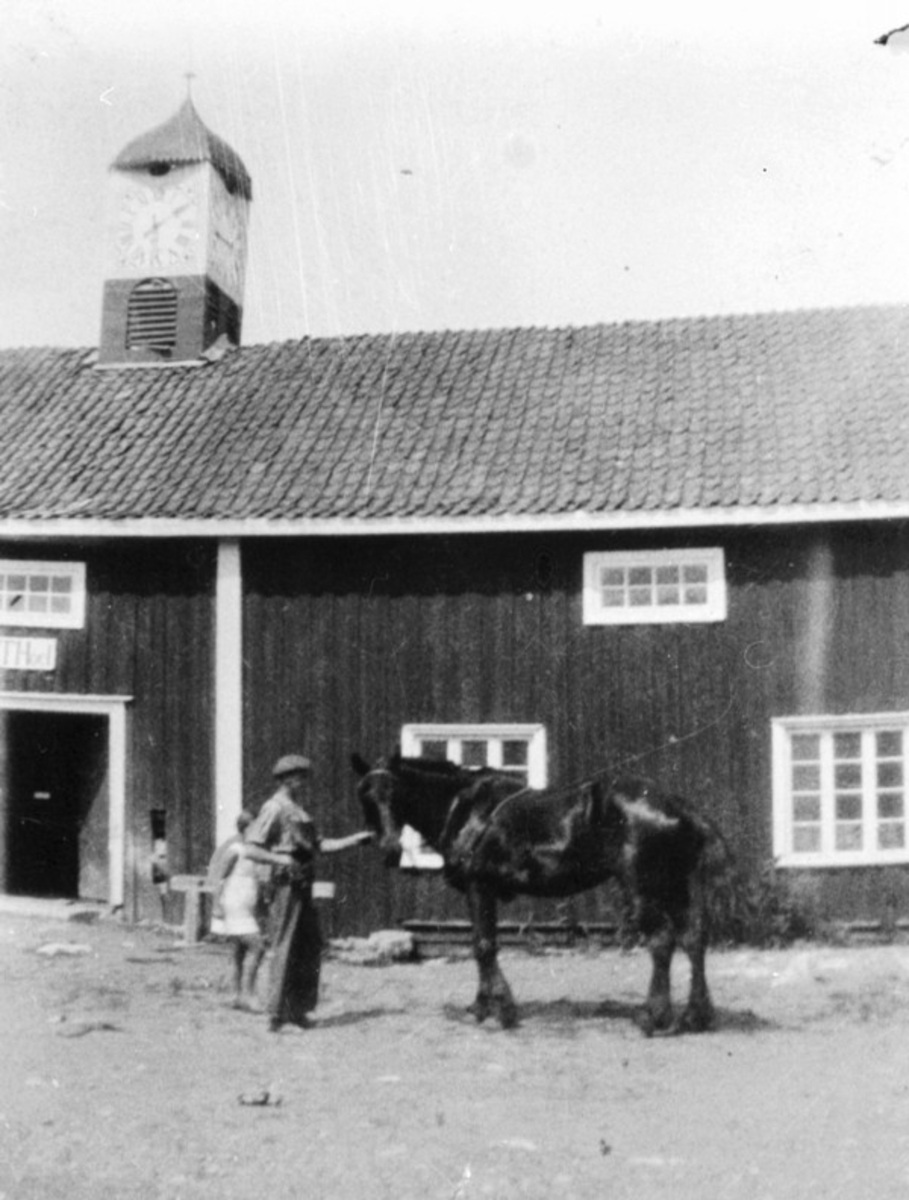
(151, 320)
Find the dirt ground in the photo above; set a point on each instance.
(123, 1068)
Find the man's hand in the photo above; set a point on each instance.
(297, 872)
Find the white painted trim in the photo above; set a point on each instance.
(150, 366)
(713, 608)
(784, 855)
(534, 734)
(19, 528)
(228, 689)
(114, 708)
(779, 763)
(415, 852)
(73, 619)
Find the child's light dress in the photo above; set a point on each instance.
(238, 904)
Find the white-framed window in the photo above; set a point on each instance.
(640, 587)
(840, 790)
(45, 595)
(519, 749)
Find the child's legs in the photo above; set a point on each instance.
(240, 949)
(249, 950)
(255, 945)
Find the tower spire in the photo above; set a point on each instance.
(176, 244)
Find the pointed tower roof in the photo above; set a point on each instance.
(186, 139)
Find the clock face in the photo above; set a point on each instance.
(158, 230)
(228, 249)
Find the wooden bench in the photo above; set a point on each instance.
(192, 888)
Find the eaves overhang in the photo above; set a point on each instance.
(740, 516)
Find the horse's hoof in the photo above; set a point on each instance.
(644, 1022)
(651, 1023)
(696, 1020)
(508, 1018)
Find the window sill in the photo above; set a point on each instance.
(827, 861)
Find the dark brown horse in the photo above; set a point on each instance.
(499, 839)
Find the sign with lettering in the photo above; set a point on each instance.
(28, 654)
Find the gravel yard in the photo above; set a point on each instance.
(126, 1075)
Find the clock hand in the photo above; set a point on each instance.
(168, 216)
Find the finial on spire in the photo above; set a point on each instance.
(189, 77)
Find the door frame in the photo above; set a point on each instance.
(114, 709)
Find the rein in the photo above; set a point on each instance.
(553, 793)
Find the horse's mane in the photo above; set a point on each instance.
(432, 766)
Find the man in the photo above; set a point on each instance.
(284, 835)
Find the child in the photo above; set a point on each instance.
(239, 912)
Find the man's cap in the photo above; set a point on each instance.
(288, 763)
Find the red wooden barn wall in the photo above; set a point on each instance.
(148, 634)
(346, 640)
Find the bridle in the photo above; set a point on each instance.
(375, 772)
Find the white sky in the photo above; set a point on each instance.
(427, 165)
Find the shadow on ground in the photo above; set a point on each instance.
(339, 1020)
(563, 1015)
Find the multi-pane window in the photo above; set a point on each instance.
(648, 587)
(519, 749)
(42, 594)
(840, 790)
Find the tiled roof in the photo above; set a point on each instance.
(799, 408)
(184, 138)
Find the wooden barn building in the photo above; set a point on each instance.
(679, 545)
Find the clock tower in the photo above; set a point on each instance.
(176, 245)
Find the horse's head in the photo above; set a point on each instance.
(379, 793)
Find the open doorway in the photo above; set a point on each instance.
(58, 802)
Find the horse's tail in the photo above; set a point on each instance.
(723, 887)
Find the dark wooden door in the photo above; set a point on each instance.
(57, 811)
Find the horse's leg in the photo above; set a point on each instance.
(483, 1002)
(493, 992)
(657, 1013)
(699, 1014)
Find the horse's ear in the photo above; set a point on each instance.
(360, 765)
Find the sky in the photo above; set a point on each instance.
(424, 165)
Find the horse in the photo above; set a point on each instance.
(499, 838)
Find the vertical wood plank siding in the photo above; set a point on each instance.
(346, 641)
(148, 634)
